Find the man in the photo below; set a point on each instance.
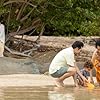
(63, 65)
(2, 39)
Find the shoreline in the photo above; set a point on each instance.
(34, 80)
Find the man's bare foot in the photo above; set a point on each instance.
(59, 83)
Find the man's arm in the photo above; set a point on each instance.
(75, 79)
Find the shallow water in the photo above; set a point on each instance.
(48, 93)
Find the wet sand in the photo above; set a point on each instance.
(30, 80)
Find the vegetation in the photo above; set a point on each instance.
(47, 17)
(51, 17)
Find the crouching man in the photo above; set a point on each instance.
(63, 65)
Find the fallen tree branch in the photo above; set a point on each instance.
(16, 53)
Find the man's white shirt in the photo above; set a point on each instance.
(64, 58)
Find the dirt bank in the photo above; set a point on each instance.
(50, 45)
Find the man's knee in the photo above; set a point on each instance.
(72, 70)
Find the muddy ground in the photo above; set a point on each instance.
(50, 45)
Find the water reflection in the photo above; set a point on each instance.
(73, 93)
(24, 93)
(60, 96)
(48, 93)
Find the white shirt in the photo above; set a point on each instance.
(62, 59)
(2, 33)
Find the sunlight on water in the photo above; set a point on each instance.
(48, 93)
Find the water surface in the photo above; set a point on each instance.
(48, 93)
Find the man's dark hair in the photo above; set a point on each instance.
(77, 44)
(97, 43)
(88, 64)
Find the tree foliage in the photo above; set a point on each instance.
(60, 17)
(74, 16)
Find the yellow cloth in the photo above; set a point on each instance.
(97, 68)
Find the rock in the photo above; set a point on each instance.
(44, 68)
(18, 66)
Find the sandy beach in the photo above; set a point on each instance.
(30, 80)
